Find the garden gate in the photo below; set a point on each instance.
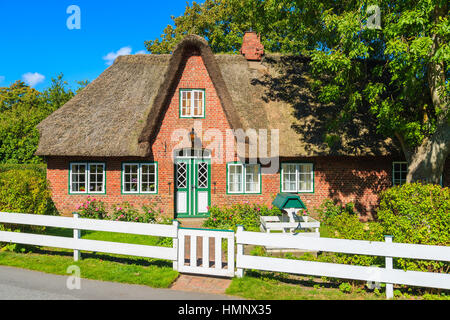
(216, 248)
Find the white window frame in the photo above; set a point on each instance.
(139, 177)
(87, 178)
(192, 91)
(243, 184)
(297, 179)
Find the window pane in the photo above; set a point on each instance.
(148, 178)
(131, 177)
(289, 177)
(252, 178)
(96, 177)
(305, 177)
(78, 178)
(235, 178)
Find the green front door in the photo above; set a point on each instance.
(192, 187)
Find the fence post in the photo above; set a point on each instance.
(239, 253)
(175, 244)
(76, 236)
(388, 266)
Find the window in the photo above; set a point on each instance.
(297, 177)
(244, 178)
(87, 178)
(139, 177)
(399, 172)
(192, 103)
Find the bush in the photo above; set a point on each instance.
(25, 191)
(96, 209)
(343, 223)
(245, 214)
(419, 214)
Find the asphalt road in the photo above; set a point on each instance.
(20, 284)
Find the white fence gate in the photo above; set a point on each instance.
(211, 261)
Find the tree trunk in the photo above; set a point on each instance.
(427, 162)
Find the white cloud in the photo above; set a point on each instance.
(33, 79)
(110, 57)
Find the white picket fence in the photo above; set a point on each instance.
(386, 249)
(241, 238)
(78, 244)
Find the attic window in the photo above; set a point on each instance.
(192, 103)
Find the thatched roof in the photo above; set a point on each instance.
(118, 114)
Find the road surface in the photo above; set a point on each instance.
(21, 284)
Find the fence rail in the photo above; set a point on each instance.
(386, 249)
(241, 238)
(77, 244)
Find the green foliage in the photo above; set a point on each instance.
(282, 24)
(25, 191)
(345, 287)
(96, 209)
(245, 214)
(396, 74)
(22, 108)
(416, 213)
(343, 223)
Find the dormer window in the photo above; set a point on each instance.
(192, 103)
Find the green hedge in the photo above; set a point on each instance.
(25, 191)
(419, 214)
(245, 214)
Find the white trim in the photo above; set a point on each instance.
(297, 174)
(193, 91)
(228, 178)
(258, 187)
(156, 177)
(87, 177)
(139, 177)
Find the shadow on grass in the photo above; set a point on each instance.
(105, 257)
(287, 279)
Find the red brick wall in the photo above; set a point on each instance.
(344, 179)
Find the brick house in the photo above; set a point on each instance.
(159, 129)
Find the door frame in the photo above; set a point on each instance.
(192, 161)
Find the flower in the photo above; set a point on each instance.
(96, 209)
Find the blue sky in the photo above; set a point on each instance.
(36, 42)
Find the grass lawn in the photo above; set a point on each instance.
(272, 286)
(98, 266)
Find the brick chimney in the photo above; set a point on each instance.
(252, 47)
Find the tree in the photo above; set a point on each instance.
(399, 70)
(407, 87)
(22, 108)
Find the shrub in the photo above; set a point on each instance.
(416, 213)
(345, 287)
(245, 214)
(96, 209)
(343, 223)
(25, 191)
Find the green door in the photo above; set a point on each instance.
(192, 187)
